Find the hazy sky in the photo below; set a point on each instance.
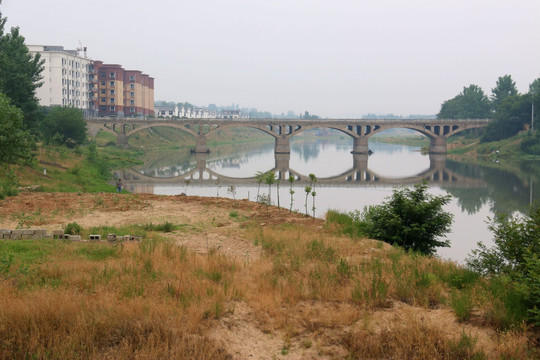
(334, 58)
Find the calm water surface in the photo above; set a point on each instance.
(346, 182)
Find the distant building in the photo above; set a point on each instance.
(122, 92)
(65, 78)
(231, 114)
(166, 111)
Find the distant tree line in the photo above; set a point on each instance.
(510, 110)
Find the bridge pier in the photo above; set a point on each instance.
(438, 145)
(282, 145)
(360, 145)
(282, 164)
(200, 146)
(122, 140)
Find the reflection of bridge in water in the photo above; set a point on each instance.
(358, 175)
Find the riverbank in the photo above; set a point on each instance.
(224, 279)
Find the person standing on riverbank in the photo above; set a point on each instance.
(119, 185)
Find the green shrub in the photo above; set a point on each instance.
(73, 229)
(411, 218)
(513, 268)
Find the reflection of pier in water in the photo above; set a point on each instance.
(358, 176)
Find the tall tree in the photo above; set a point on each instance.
(471, 103)
(534, 91)
(20, 74)
(15, 145)
(505, 87)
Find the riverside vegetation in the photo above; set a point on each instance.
(319, 288)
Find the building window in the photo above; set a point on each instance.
(102, 74)
(103, 83)
(102, 108)
(103, 91)
(131, 102)
(111, 83)
(132, 94)
(132, 86)
(112, 100)
(132, 78)
(111, 75)
(112, 92)
(132, 110)
(103, 100)
(112, 108)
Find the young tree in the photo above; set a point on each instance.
(20, 75)
(505, 87)
(15, 144)
(411, 218)
(65, 126)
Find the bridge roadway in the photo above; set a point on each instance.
(437, 130)
(359, 175)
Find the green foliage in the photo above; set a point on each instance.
(8, 183)
(20, 75)
(530, 286)
(505, 87)
(513, 239)
(73, 229)
(15, 143)
(412, 219)
(513, 113)
(514, 268)
(471, 103)
(65, 126)
(531, 143)
(349, 224)
(291, 191)
(165, 227)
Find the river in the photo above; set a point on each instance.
(346, 182)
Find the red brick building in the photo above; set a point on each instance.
(121, 93)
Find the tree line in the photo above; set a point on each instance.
(511, 111)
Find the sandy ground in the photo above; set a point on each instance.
(239, 332)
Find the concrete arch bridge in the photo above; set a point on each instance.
(437, 130)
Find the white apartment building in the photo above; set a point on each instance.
(65, 77)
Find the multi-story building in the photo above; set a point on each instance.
(96, 88)
(122, 92)
(65, 77)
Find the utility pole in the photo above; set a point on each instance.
(532, 111)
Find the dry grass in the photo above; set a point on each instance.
(311, 294)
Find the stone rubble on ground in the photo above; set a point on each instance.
(37, 234)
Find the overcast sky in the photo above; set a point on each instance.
(333, 58)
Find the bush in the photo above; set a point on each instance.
(412, 219)
(514, 256)
(73, 229)
(514, 238)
